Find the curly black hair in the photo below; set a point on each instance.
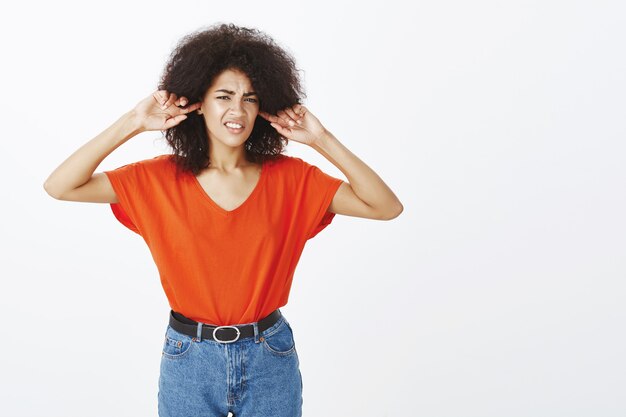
(202, 55)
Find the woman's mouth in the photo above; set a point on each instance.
(233, 127)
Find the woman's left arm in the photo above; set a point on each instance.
(366, 194)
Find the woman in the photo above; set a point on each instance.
(226, 215)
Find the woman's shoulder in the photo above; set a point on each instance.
(286, 161)
(164, 158)
(154, 165)
(161, 162)
(155, 160)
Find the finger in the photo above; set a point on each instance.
(172, 98)
(181, 102)
(284, 117)
(177, 111)
(157, 97)
(283, 131)
(165, 95)
(192, 107)
(269, 117)
(173, 121)
(293, 116)
(301, 112)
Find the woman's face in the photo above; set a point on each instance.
(231, 98)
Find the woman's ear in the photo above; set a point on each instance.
(199, 100)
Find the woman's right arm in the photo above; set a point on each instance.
(74, 179)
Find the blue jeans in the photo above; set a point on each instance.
(252, 377)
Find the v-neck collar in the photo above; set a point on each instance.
(251, 196)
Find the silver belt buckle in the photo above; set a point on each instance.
(226, 341)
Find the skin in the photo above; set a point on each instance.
(230, 181)
(230, 178)
(227, 149)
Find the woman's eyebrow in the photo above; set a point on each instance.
(251, 93)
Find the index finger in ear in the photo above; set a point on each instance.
(191, 107)
(269, 117)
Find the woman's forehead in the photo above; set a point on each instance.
(232, 80)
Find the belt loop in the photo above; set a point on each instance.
(256, 332)
(199, 332)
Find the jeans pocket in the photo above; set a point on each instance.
(280, 342)
(175, 344)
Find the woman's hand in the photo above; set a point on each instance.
(296, 123)
(156, 112)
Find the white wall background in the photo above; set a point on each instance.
(500, 289)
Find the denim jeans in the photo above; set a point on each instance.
(253, 377)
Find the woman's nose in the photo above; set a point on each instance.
(236, 106)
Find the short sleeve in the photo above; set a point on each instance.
(131, 183)
(319, 188)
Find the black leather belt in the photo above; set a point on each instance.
(223, 334)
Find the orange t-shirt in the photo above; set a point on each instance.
(216, 266)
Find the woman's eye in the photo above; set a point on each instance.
(252, 100)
